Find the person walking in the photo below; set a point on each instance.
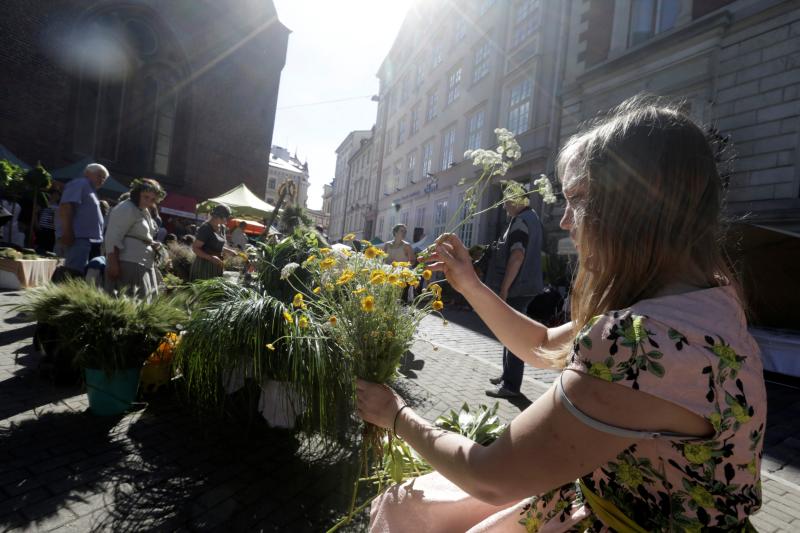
(209, 245)
(515, 274)
(46, 222)
(80, 216)
(130, 243)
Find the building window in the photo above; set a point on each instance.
(475, 130)
(460, 30)
(649, 17)
(380, 228)
(453, 83)
(519, 107)
(480, 67)
(414, 119)
(419, 219)
(436, 56)
(526, 19)
(448, 146)
(396, 175)
(271, 183)
(404, 218)
(465, 231)
(411, 167)
(401, 131)
(388, 147)
(420, 77)
(405, 89)
(431, 112)
(427, 159)
(439, 217)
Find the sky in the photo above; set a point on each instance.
(335, 50)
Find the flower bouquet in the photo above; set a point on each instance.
(356, 299)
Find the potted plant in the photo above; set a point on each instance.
(110, 336)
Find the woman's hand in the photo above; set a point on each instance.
(377, 404)
(452, 258)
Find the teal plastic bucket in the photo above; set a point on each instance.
(111, 395)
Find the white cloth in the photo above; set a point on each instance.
(22, 273)
(279, 404)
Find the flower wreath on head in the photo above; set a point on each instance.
(149, 185)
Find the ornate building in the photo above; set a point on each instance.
(181, 91)
(285, 166)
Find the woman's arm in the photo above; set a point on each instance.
(520, 334)
(544, 447)
(197, 248)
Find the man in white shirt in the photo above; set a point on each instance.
(238, 238)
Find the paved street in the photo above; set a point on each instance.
(161, 468)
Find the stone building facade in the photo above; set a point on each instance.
(340, 185)
(735, 64)
(286, 166)
(184, 92)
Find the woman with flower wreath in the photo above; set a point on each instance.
(657, 421)
(130, 243)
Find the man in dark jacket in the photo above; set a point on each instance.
(515, 273)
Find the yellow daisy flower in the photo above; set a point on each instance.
(349, 237)
(346, 276)
(392, 278)
(371, 252)
(436, 289)
(298, 300)
(397, 264)
(271, 347)
(303, 322)
(317, 290)
(360, 290)
(438, 305)
(311, 258)
(287, 316)
(327, 263)
(324, 251)
(426, 274)
(368, 304)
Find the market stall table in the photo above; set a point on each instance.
(24, 273)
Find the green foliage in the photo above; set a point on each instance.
(10, 253)
(105, 332)
(401, 462)
(293, 217)
(229, 332)
(179, 261)
(481, 425)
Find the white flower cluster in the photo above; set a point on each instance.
(545, 188)
(288, 270)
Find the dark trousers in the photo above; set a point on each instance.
(513, 367)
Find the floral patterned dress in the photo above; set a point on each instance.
(691, 349)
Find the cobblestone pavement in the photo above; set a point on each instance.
(161, 468)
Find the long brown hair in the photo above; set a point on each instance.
(651, 207)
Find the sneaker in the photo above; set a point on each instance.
(502, 392)
(496, 381)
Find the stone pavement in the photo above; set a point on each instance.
(161, 468)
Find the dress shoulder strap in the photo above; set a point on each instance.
(610, 429)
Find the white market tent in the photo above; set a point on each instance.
(242, 201)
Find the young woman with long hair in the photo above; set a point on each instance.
(657, 421)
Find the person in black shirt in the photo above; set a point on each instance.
(209, 245)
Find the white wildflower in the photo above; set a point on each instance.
(545, 188)
(468, 154)
(288, 270)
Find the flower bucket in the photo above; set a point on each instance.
(114, 395)
(154, 376)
